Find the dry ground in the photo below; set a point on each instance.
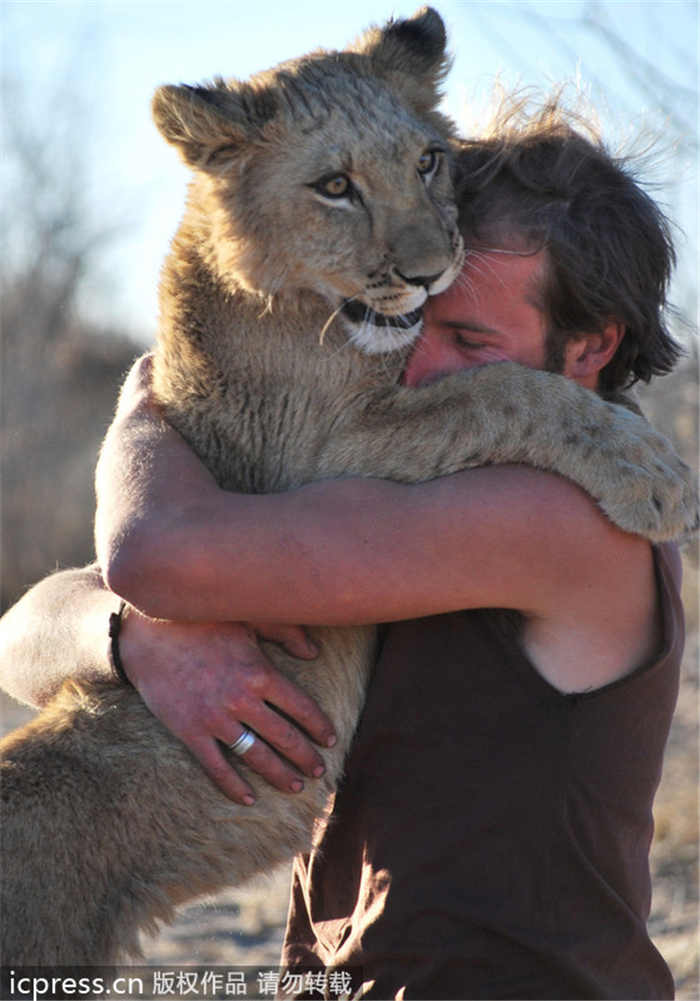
(244, 927)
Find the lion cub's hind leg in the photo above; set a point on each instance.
(109, 824)
(98, 829)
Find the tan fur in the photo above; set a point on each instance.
(109, 822)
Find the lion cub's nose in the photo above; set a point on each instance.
(425, 280)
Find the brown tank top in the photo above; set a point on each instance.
(491, 836)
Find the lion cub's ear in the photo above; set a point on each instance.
(209, 125)
(412, 53)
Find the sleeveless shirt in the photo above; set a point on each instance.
(491, 836)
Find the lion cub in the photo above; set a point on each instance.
(319, 219)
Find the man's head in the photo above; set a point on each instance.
(542, 188)
(609, 250)
(494, 312)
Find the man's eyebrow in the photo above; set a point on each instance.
(465, 323)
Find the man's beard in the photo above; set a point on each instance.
(555, 351)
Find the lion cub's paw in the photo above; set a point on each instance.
(646, 488)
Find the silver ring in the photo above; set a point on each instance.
(244, 742)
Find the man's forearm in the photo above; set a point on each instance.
(56, 631)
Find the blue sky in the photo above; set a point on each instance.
(110, 55)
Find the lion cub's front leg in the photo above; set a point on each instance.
(504, 413)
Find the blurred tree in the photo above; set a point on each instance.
(59, 374)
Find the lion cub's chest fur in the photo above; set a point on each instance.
(258, 396)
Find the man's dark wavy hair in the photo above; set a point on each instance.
(540, 180)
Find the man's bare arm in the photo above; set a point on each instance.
(141, 460)
(200, 680)
(57, 630)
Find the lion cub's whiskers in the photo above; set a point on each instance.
(332, 317)
(267, 307)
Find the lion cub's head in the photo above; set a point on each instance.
(331, 174)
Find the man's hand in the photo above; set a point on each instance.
(205, 682)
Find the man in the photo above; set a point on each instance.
(491, 836)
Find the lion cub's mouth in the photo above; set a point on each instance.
(357, 312)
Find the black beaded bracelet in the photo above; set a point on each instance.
(115, 660)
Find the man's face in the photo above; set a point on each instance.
(491, 313)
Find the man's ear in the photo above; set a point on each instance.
(587, 356)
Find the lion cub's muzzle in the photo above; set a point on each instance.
(390, 314)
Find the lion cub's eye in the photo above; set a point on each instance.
(337, 186)
(428, 163)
